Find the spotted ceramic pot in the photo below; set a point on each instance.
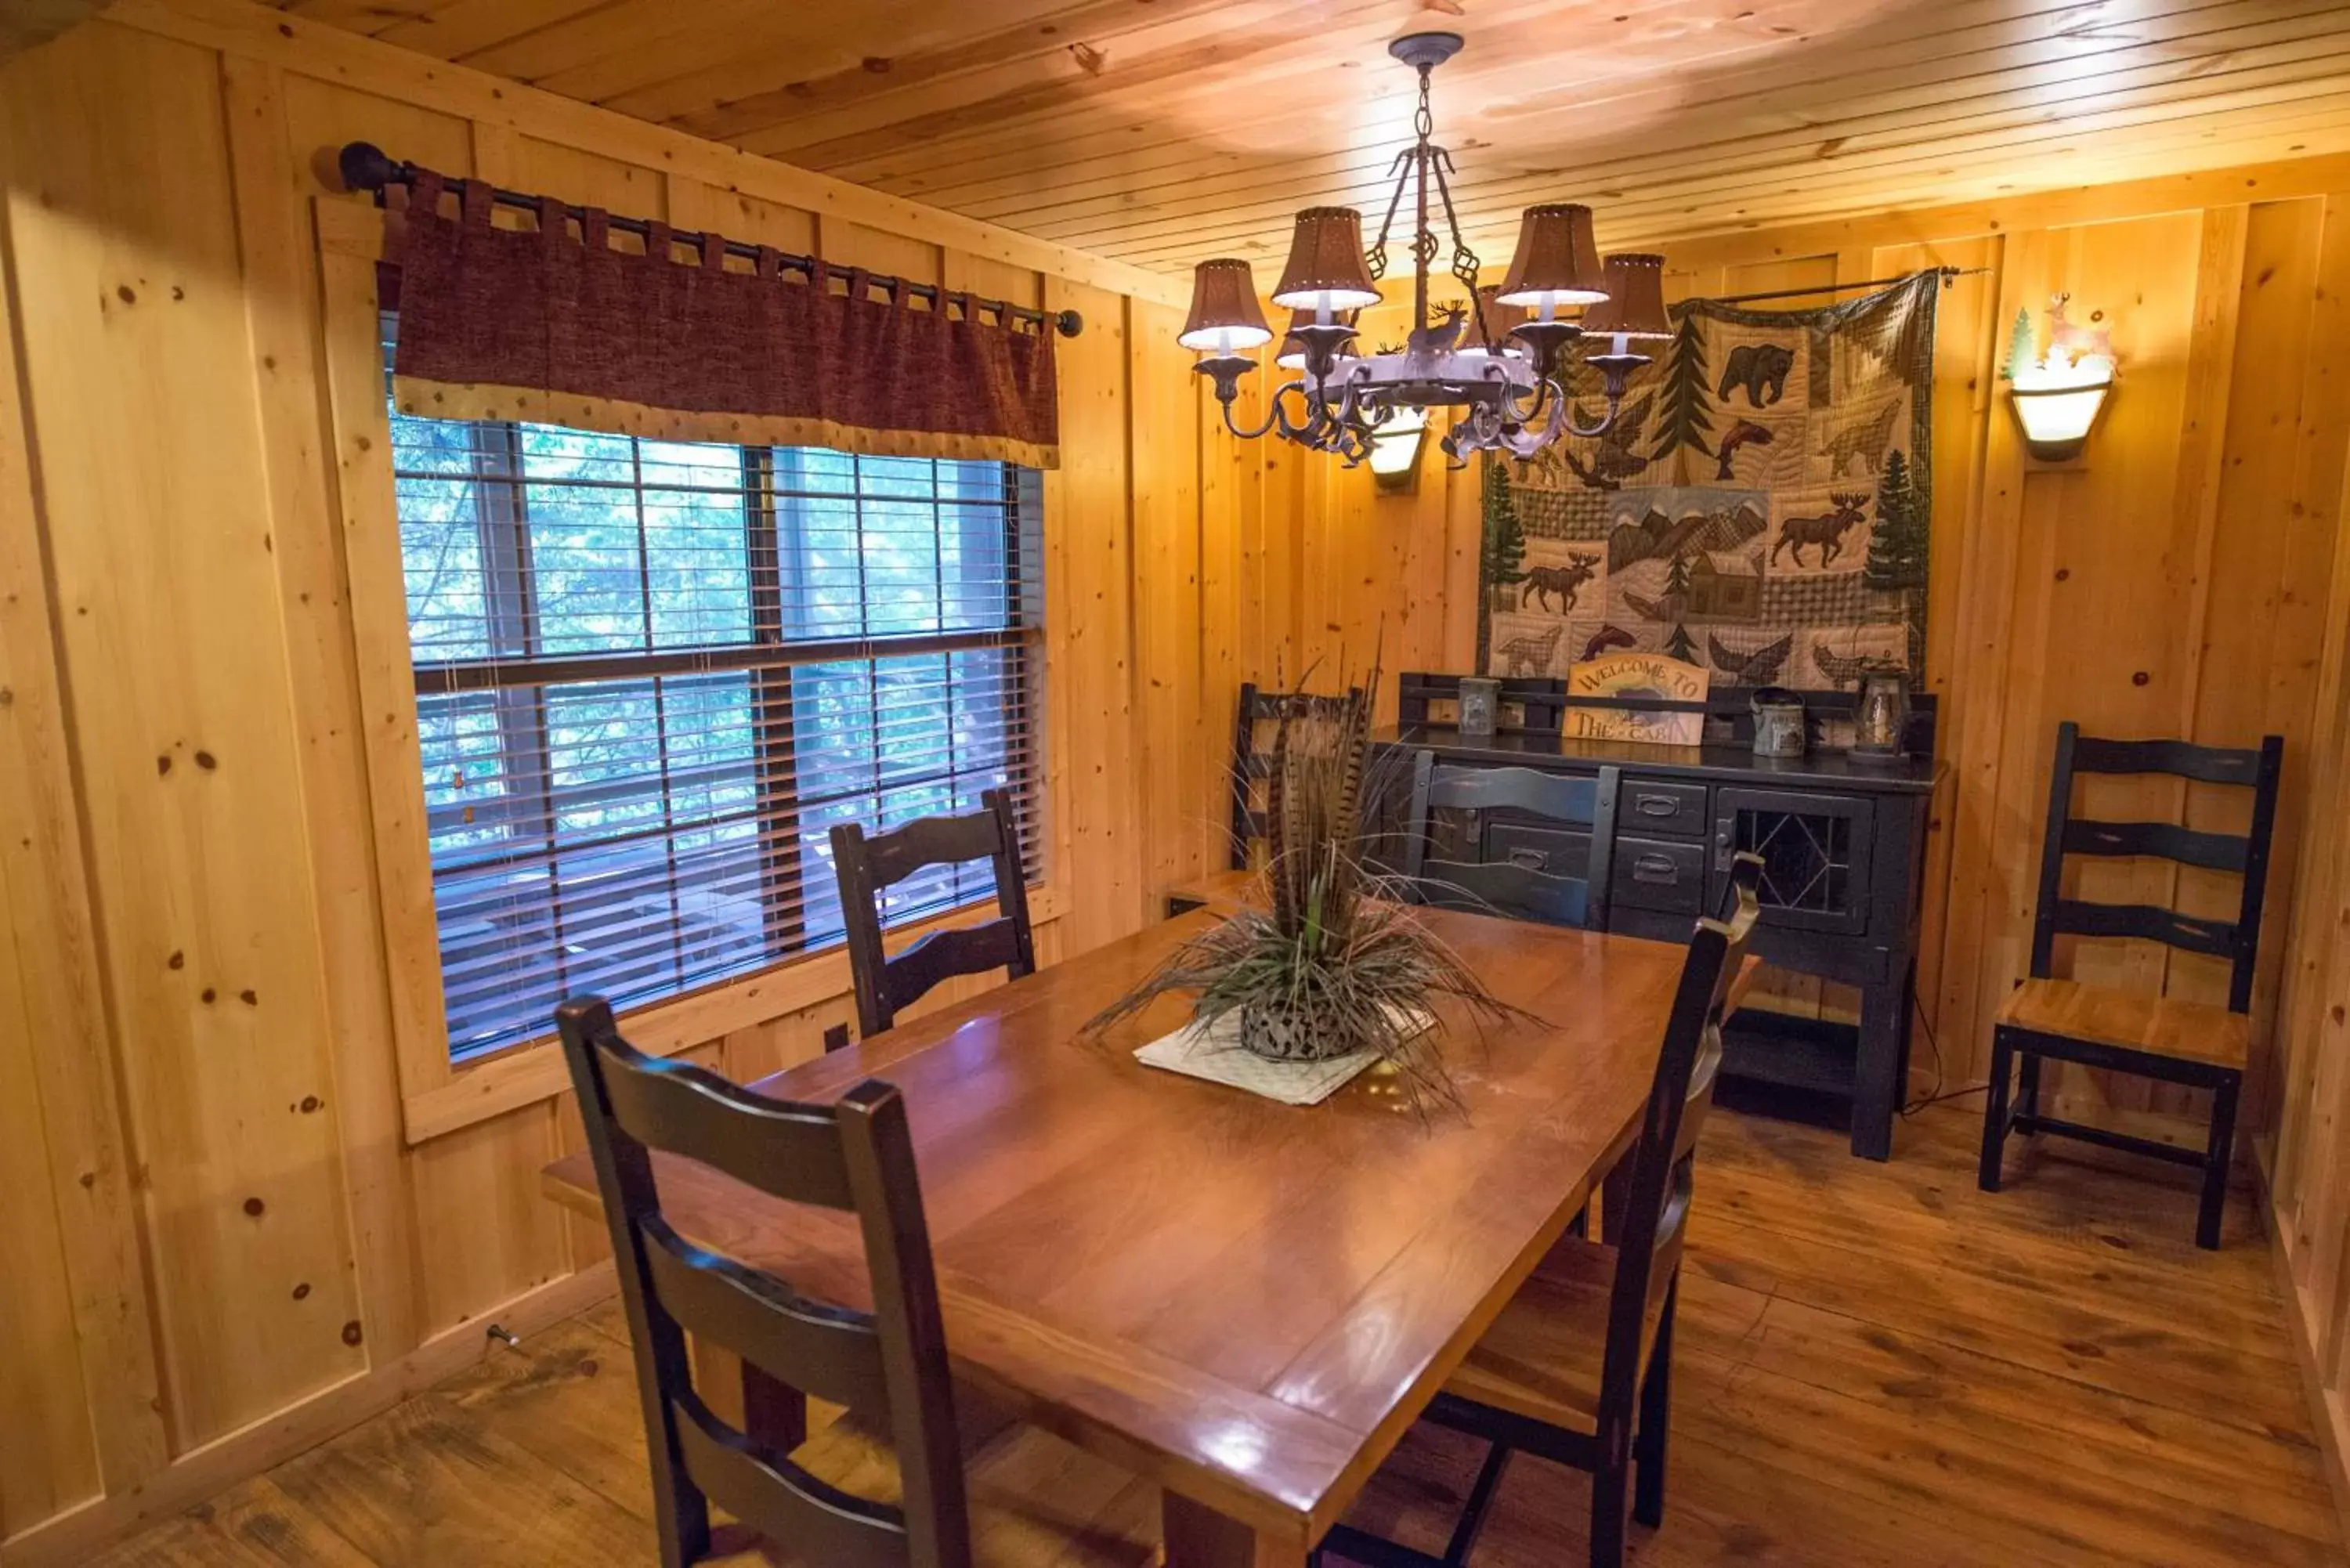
(1281, 1034)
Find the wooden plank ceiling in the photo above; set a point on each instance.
(1161, 132)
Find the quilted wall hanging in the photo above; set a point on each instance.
(1762, 507)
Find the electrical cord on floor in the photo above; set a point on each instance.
(1935, 1095)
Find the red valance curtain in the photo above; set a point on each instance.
(543, 324)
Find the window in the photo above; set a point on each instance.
(650, 676)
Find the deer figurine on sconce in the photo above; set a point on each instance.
(2058, 395)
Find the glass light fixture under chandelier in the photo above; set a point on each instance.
(1498, 359)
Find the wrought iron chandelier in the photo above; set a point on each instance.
(1500, 357)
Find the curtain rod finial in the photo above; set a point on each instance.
(1069, 323)
(365, 166)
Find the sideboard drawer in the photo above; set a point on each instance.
(1654, 806)
(1659, 874)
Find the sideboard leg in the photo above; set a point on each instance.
(1876, 1084)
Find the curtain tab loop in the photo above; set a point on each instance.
(657, 239)
(596, 229)
(769, 264)
(476, 197)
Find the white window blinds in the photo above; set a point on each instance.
(650, 676)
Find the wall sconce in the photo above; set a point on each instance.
(1395, 449)
(2058, 396)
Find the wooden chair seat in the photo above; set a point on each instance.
(1036, 1501)
(2130, 1021)
(1541, 1359)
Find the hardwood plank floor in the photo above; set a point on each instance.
(1879, 1366)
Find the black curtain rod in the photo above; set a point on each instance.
(1946, 273)
(367, 166)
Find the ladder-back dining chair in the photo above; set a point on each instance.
(1577, 1369)
(2166, 1038)
(887, 1485)
(1253, 755)
(1556, 870)
(867, 867)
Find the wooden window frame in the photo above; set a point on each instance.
(439, 1095)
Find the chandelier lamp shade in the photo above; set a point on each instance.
(1225, 318)
(1326, 271)
(1498, 358)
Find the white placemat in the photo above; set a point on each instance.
(1214, 1054)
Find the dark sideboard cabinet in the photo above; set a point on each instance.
(1843, 847)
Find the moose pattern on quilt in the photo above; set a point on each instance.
(1762, 505)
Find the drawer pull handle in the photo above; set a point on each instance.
(1655, 868)
(1530, 859)
(1656, 805)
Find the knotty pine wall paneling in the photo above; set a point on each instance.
(228, 1227)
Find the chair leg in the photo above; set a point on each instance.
(2216, 1161)
(2027, 1090)
(1607, 1499)
(1656, 1417)
(1480, 1503)
(1995, 1137)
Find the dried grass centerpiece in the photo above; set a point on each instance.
(1334, 964)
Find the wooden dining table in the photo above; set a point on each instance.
(1245, 1302)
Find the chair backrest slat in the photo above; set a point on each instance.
(787, 1150)
(2206, 765)
(889, 1364)
(1482, 888)
(1663, 1161)
(957, 949)
(866, 866)
(2074, 917)
(2259, 769)
(782, 1501)
(831, 1351)
(1529, 888)
(1571, 798)
(2162, 841)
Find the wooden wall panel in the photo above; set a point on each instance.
(126, 254)
(1089, 588)
(193, 310)
(50, 1461)
(75, 1328)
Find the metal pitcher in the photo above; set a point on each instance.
(1778, 722)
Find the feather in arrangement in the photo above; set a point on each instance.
(1334, 963)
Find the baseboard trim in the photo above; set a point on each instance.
(2327, 1410)
(81, 1533)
